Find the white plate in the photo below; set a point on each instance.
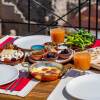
(7, 74)
(86, 87)
(28, 41)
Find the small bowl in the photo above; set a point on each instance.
(65, 54)
(46, 70)
(37, 47)
(62, 47)
(37, 55)
(51, 56)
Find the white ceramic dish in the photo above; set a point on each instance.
(7, 74)
(27, 41)
(86, 87)
(65, 60)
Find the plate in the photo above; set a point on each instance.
(27, 41)
(86, 87)
(7, 74)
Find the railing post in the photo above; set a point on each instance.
(89, 16)
(29, 24)
(79, 4)
(97, 18)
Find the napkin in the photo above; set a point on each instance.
(25, 85)
(23, 81)
(96, 44)
(6, 40)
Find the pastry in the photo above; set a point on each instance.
(11, 56)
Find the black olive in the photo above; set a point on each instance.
(13, 59)
(65, 51)
(50, 55)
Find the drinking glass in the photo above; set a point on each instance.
(57, 34)
(82, 61)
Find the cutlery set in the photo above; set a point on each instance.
(13, 85)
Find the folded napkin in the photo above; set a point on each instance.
(6, 40)
(23, 81)
(96, 44)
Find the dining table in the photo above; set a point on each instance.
(39, 92)
(42, 90)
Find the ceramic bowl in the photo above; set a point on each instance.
(46, 70)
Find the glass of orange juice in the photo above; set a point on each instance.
(57, 34)
(82, 60)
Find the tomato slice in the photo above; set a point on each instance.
(44, 69)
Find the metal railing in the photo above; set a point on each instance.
(54, 23)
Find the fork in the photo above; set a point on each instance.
(12, 83)
(19, 81)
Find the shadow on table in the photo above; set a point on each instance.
(67, 96)
(72, 73)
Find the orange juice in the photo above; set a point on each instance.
(82, 60)
(57, 35)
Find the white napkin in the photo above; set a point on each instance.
(59, 93)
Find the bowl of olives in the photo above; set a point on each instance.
(51, 56)
(64, 54)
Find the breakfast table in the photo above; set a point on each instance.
(40, 92)
(44, 90)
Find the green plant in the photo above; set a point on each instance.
(81, 39)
